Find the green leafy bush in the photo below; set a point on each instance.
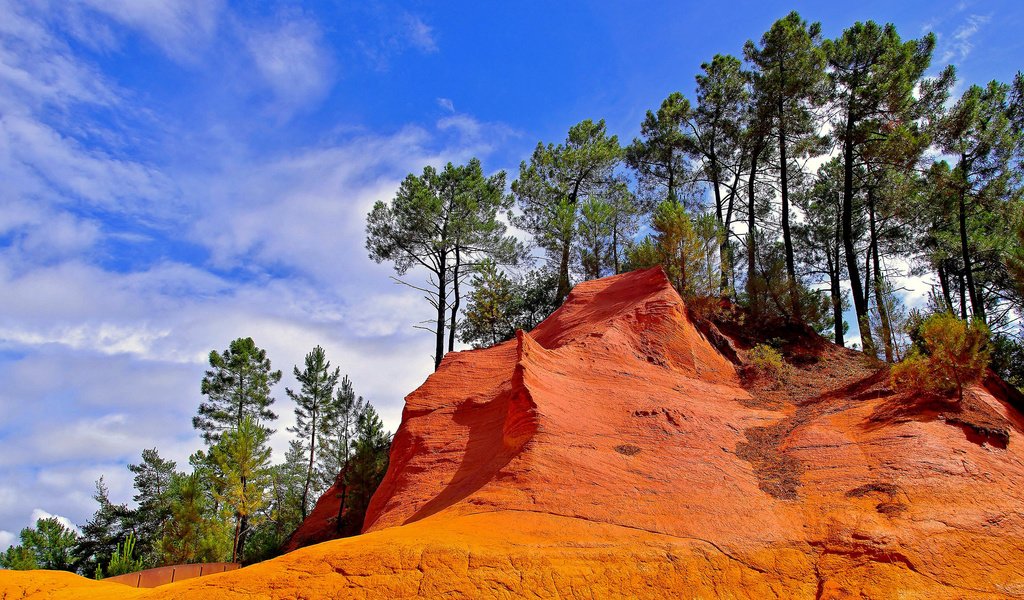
(947, 355)
(766, 362)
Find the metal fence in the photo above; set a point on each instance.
(151, 578)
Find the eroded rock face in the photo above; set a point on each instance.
(615, 452)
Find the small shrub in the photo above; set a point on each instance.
(767, 363)
(947, 355)
(122, 563)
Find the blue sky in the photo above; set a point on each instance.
(178, 173)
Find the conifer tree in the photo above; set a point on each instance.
(443, 222)
(368, 465)
(243, 459)
(49, 545)
(659, 157)
(313, 410)
(102, 533)
(979, 133)
(789, 70)
(236, 386)
(717, 138)
(153, 478)
(876, 87)
(553, 185)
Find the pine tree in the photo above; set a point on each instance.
(717, 138)
(237, 386)
(193, 532)
(818, 241)
(153, 477)
(368, 465)
(876, 87)
(443, 222)
(659, 157)
(51, 545)
(338, 444)
(553, 185)
(102, 533)
(313, 410)
(980, 134)
(243, 459)
(789, 71)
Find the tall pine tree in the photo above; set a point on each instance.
(236, 386)
(314, 412)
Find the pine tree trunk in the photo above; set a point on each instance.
(977, 306)
(835, 276)
(441, 305)
(963, 295)
(860, 303)
(751, 234)
(720, 219)
(458, 299)
(309, 470)
(344, 491)
(234, 541)
(944, 284)
(883, 314)
(787, 238)
(243, 534)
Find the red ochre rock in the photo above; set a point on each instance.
(614, 452)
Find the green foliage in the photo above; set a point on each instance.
(49, 545)
(365, 471)
(237, 386)
(947, 355)
(347, 411)
(101, 534)
(684, 247)
(552, 187)
(659, 158)
(1008, 359)
(766, 362)
(192, 533)
(18, 558)
(243, 459)
(314, 413)
(284, 510)
(153, 477)
(1014, 255)
(499, 305)
(677, 243)
(122, 562)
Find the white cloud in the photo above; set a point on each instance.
(961, 43)
(292, 62)
(7, 539)
(419, 34)
(179, 27)
(39, 513)
(446, 104)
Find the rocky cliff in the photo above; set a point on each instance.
(617, 451)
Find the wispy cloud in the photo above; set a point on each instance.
(961, 41)
(181, 28)
(293, 63)
(396, 34)
(419, 34)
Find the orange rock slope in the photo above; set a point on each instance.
(614, 451)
